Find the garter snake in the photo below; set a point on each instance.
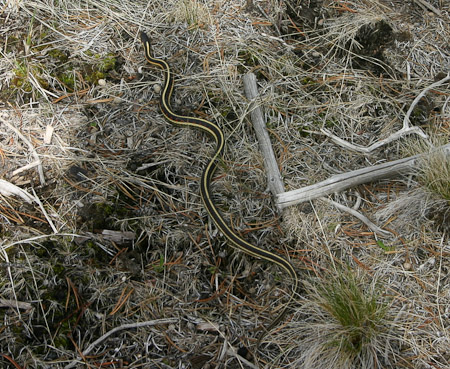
(216, 133)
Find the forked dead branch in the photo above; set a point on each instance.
(407, 129)
(339, 182)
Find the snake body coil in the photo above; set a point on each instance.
(215, 132)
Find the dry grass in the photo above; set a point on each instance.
(90, 144)
(434, 175)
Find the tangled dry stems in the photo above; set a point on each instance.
(114, 163)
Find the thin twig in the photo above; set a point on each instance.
(50, 222)
(427, 6)
(15, 304)
(405, 130)
(12, 361)
(232, 352)
(30, 146)
(361, 217)
(406, 120)
(121, 328)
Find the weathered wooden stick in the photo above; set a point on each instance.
(343, 181)
(274, 181)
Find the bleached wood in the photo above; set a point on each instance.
(15, 304)
(405, 130)
(343, 181)
(274, 181)
(9, 189)
(427, 6)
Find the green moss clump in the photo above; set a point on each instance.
(92, 73)
(68, 79)
(248, 58)
(307, 81)
(59, 269)
(108, 63)
(58, 55)
(69, 72)
(61, 341)
(21, 79)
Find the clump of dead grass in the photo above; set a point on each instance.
(434, 174)
(428, 197)
(342, 321)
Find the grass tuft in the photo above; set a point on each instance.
(356, 312)
(344, 322)
(434, 174)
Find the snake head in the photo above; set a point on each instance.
(144, 38)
